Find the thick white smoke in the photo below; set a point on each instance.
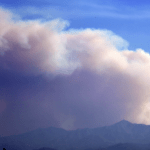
(122, 76)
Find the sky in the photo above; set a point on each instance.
(73, 64)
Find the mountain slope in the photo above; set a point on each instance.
(57, 138)
(127, 146)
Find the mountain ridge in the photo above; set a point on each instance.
(51, 127)
(80, 139)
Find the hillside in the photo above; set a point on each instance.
(97, 138)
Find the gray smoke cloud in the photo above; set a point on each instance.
(94, 79)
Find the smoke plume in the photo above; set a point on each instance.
(68, 78)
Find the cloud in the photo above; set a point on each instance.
(96, 79)
(30, 46)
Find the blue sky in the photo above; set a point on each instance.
(128, 19)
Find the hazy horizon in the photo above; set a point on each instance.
(121, 122)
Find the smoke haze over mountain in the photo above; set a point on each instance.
(75, 78)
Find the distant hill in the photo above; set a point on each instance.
(123, 133)
(127, 146)
(45, 148)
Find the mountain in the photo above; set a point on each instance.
(45, 148)
(127, 146)
(126, 134)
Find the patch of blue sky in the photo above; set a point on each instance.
(70, 9)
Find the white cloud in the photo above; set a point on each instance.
(45, 48)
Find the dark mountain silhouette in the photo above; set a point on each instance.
(45, 148)
(9, 147)
(127, 146)
(124, 133)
